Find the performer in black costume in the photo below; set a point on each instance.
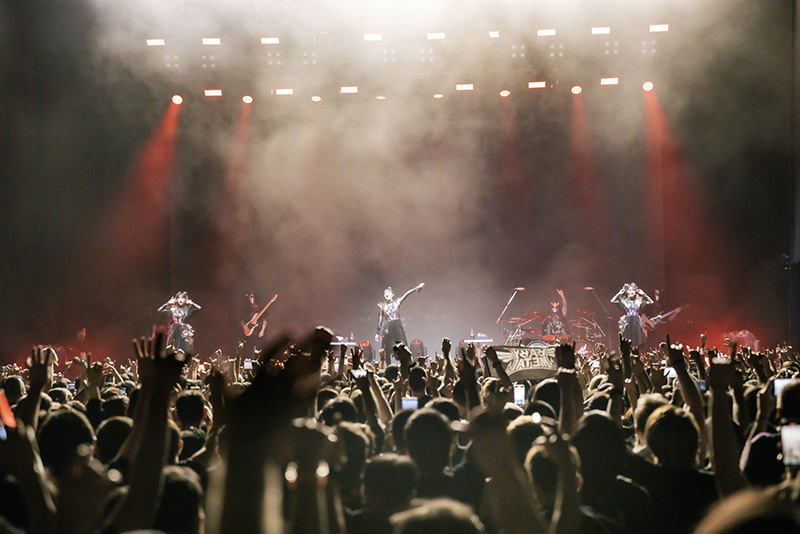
(390, 326)
(554, 326)
(180, 334)
(631, 299)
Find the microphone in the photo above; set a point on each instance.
(587, 288)
(519, 289)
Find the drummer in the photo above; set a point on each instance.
(554, 326)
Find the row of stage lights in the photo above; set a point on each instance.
(505, 93)
(431, 36)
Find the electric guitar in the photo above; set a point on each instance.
(250, 326)
(661, 317)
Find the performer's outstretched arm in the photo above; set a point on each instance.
(407, 293)
(165, 307)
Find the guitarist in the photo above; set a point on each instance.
(255, 323)
(657, 311)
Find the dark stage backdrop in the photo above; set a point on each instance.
(113, 200)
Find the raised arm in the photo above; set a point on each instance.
(563, 302)
(724, 451)
(407, 293)
(645, 298)
(688, 387)
(615, 298)
(165, 307)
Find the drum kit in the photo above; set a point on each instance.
(583, 331)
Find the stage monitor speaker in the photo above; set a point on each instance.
(366, 346)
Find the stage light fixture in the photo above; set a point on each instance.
(380, 97)
(659, 28)
(373, 37)
(213, 92)
(270, 40)
(348, 90)
(155, 42)
(177, 100)
(576, 89)
(601, 30)
(546, 33)
(537, 85)
(436, 36)
(212, 41)
(494, 35)
(438, 96)
(247, 99)
(609, 81)
(284, 92)
(464, 87)
(505, 93)
(648, 86)
(316, 98)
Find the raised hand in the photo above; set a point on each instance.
(41, 368)
(675, 354)
(404, 355)
(720, 375)
(358, 355)
(446, 346)
(565, 356)
(159, 366)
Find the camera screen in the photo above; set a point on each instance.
(790, 444)
(409, 403)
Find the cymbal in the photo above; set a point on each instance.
(531, 330)
(516, 320)
(532, 315)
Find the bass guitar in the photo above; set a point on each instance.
(250, 326)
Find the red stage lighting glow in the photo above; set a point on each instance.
(576, 89)
(247, 99)
(177, 99)
(505, 93)
(648, 86)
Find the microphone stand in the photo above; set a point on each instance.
(502, 337)
(608, 318)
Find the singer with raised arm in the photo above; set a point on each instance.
(180, 334)
(390, 326)
(631, 299)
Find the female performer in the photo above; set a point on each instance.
(390, 326)
(631, 299)
(180, 334)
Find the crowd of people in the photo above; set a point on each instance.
(304, 437)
